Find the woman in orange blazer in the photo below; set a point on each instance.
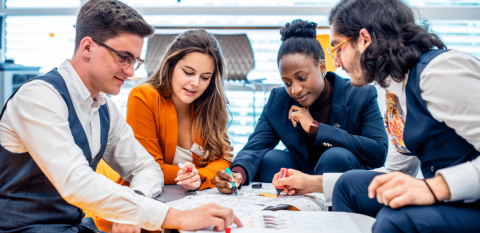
(180, 116)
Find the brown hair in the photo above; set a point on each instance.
(210, 109)
(105, 19)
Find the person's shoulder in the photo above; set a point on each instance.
(365, 90)
(279, 99)
(145, 92)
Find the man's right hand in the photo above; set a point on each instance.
(222, 181)
(203, 216)
(298, 182)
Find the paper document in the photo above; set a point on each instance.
(300, 221)
(249, 200)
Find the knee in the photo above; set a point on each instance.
(392, 220)
(336, 160)
(349, 180)
(336, 155)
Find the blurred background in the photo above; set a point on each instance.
(38, 35)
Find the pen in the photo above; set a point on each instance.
(233, 183)
(283, 174)
(188, 169)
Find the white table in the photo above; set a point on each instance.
(363, 222)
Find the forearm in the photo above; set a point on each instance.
(315, 183)
(371, 150)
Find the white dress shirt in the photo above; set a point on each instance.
(36, 120)
(450, 86)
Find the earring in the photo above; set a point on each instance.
(325, 73)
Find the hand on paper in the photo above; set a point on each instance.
(397, 190)
(300, 115)
(298, 182)
(222, 181)
(124, 228)
(203, 216)
(189, 180)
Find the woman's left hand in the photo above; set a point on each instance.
(189, 180)
(300, 115)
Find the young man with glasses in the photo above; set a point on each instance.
(432, 113)
(55, 129)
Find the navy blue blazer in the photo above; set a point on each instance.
(355, 124)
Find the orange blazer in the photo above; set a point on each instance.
(154, 123)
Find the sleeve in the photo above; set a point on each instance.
(208, 172)
(371, 145)
(262, 140)
(449, 85)
(43, 123)
(329, 180)
(397, 161)
(129, 158)
(141, 118)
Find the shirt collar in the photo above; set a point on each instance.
(75, 85)
(397, 88)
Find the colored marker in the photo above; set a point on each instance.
(188, 169)
(233, 183)
(283, 174)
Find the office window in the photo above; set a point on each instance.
(253, 3)
(41, 3)
(29, 42)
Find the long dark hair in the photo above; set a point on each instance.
(300, 37)
(211, 113)
(397, 41)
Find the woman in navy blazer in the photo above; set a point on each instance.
(326, 124)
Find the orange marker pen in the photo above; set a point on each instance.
(283, 174)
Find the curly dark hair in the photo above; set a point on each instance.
(397, 41)
(300, 37)
(105, 19)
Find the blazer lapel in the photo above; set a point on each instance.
(338, 110)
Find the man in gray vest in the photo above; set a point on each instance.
(55, 129)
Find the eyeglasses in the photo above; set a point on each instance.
(333, 51)
(126, 59)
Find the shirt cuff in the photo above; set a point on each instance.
(329, 180)
(239, 169)
(463, 182)
(144, 190)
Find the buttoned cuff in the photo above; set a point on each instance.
(329, 180)
(463, 182)
(144, 190)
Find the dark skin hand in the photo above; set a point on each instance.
(222, 181)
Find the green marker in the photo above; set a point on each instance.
(233, 183)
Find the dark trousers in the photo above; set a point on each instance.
(351, 195)
(335, 159)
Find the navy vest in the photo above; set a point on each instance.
(28, 200)
(436, 145)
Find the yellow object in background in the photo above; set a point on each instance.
(51, 34)
(325, 42)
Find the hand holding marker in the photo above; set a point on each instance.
(233, 183)
(188, 169)
(283, 174)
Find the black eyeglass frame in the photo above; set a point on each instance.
(124, 57)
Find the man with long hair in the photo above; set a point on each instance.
(55, 129)
(432, 113)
